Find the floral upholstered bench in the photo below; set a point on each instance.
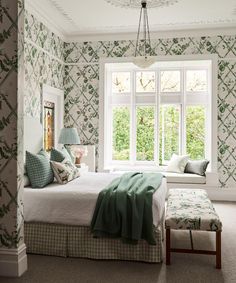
(189, 209)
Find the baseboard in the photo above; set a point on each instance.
(13, 262)
(222, 194)
(215, 193)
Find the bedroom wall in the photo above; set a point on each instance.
(44, 63)
(81, 83)
(11, 135)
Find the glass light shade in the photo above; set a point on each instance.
(69, 136)
(144, 61)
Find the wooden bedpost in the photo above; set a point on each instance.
(168, 246)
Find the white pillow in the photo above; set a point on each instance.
(177, 163)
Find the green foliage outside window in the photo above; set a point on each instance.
(169, 132)
(195, 132)
(145, 133)
(121, 129)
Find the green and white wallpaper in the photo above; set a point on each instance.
(11, 122)
(81, 83)
(44, 63)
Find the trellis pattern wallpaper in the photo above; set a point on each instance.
(44, 63)
(81, 83)
(11, 122)
(75, 67)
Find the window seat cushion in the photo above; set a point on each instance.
(184, 178)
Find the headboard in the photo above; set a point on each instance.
(33, 134)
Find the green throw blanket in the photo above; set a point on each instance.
(124, 208)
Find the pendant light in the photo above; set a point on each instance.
(145, 60)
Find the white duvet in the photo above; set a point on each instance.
(74, 203)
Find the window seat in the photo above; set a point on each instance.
(184, 178)
(176, 178)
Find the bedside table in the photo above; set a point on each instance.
(83, 168)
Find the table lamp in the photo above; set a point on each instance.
(69, 137)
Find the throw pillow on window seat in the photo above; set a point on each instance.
(197, 167)
(177, 163)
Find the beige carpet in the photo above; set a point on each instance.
(184, 268)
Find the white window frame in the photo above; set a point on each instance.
(211, 150)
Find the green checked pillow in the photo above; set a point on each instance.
(60, 155)
(39, 169)
(64, 171)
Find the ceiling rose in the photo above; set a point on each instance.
(136, 3)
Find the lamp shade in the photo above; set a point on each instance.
(69, 136)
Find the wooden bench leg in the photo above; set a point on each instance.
(218, 249)
(167, 246)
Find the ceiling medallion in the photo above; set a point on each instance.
(136, 3)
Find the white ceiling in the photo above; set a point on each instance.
(85, 19)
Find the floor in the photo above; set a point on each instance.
(184, 268)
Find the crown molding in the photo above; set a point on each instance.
(171, 33)
(63, 13)
(122, 32)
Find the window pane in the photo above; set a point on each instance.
(145, 133)
(121, 134)
(195, 131)
(145, 81)
(169, 132)
(170, 81)
(196, 80)
(120, 82)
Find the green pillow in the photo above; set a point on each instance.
(197, 167)
(39, 169)
(60, 155)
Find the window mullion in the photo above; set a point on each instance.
(183, 113)
(157, 119)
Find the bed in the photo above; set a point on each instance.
(57, 220)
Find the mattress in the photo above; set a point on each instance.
(74, 203)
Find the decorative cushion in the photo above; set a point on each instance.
(39, 169)
(60, 155)
(64, 171)
(197, 167)
(190, 209)
(177, 163)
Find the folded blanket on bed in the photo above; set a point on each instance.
(124, 208)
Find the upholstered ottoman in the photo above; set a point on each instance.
(191, 209)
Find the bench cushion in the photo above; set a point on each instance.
(189, 209)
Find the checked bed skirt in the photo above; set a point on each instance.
(77, 241)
